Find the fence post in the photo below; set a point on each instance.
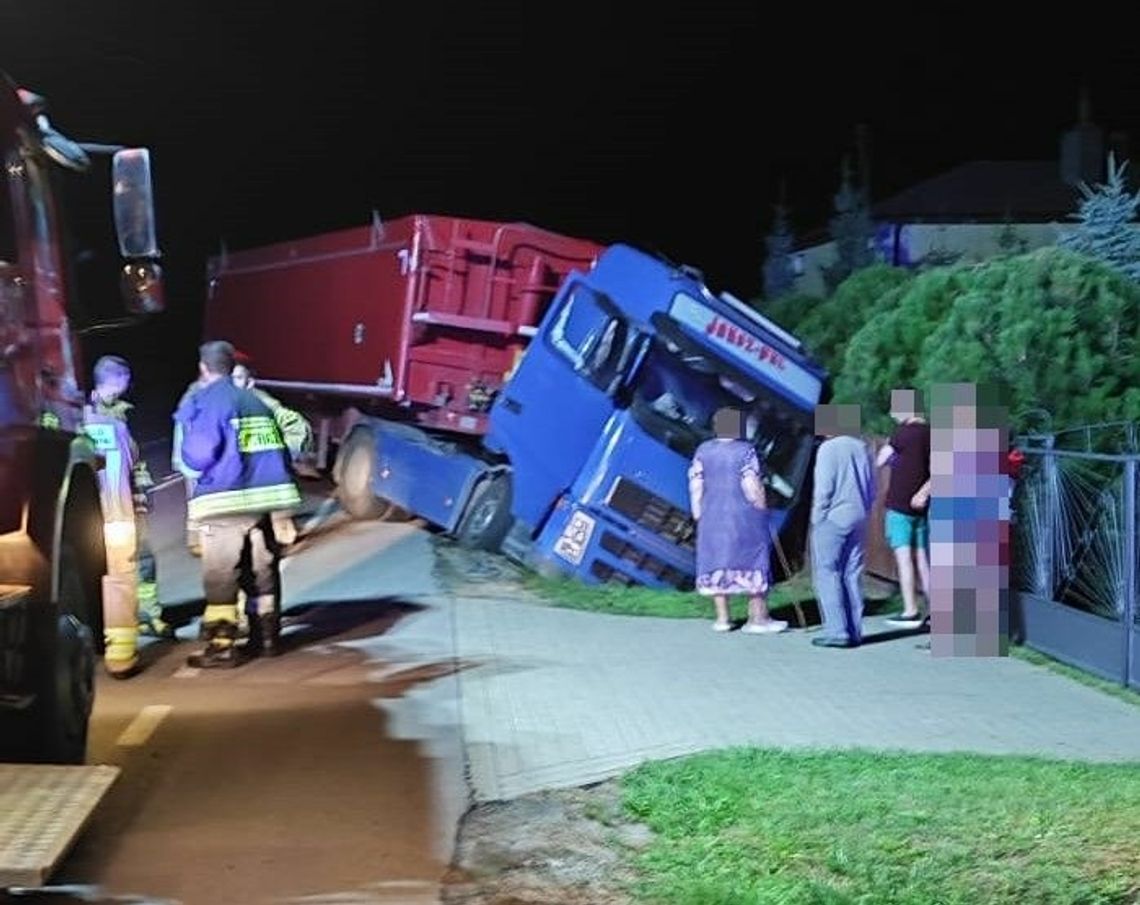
(1049, 546)
(1128, 615)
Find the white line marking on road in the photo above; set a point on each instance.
(185, 672)
(143, 725)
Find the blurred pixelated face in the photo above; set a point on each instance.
(728, 424)
(904, 404)
(242, 378)
(833, 420)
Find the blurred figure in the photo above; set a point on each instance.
(842, 497)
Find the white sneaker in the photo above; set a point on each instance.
(722, 626)
(771, 627)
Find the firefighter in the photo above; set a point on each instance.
(124, 482)
(297, 434)
(233, 446)
(295, 431)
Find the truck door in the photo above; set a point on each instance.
(550, 415)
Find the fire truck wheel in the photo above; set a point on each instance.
(357, 468)
(487, 519)
(68, 689)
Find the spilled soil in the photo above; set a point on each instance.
(569, 847)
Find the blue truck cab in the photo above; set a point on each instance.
(601, 419)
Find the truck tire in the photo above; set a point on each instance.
(356, 469)
(487, 518)
(67, 688)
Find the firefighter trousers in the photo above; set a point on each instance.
(240, 553)
(150, 610)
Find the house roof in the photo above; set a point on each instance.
(1023, 191)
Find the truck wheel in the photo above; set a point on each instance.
(487, 519)
(357, 468)
(67, 689)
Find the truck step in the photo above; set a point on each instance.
(42, 811)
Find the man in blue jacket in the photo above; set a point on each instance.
(234, 448)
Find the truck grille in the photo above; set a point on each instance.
(650, 511)
(640, 560)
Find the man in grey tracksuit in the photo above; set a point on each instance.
(842, 498)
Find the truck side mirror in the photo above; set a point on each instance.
(134, 203)
(133, 198)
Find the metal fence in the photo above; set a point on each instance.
(1074, 568)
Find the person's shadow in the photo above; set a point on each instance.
(813, 619)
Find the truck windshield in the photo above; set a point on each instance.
(676, 393)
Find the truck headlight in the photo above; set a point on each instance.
(575, 538)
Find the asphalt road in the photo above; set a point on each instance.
(279, 781)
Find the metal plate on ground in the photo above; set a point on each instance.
(42, 811)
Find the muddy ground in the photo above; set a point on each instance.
(568, 847)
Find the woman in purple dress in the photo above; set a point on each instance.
(727, 499)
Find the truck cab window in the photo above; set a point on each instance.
(588, 335)
(677, 393)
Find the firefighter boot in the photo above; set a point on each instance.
(121, 651)
(120, 625)
(242, 619)
(222, 651)
(265, 628)
(151, 622)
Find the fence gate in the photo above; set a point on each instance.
(1074, 574)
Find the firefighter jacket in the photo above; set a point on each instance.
(125, 478)
(176, 446)
(231, 441)
(295, 430)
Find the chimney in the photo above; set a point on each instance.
(1082, 148)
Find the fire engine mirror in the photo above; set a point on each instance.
(134, 203)
(142, 288)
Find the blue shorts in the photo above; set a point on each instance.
(904, 530)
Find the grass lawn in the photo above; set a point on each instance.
(637, 601)
(747, 826)
(1077, 675)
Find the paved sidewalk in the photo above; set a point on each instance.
(555, 698)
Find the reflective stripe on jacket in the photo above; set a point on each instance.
(232, 441)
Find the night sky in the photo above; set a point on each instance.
(671, 131)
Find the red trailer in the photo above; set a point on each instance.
(421, 318)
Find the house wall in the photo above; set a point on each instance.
(916, 241)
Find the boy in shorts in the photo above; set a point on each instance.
(906, 527)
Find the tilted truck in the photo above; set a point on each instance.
(522, 391)
(52, 547)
